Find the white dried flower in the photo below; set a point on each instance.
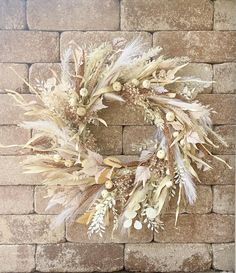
(108, 184)
(104, 193)
(170, 116)
(146, 84)
(117, 86)
(175, 134)
(135, 82)
(83, 92)
(81, 111)
(161, 154)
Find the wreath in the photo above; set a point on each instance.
(99, 191)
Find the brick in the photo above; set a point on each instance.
(12, 201)
(228, 133)
(167, 257)
(122, 114)
(70, 257)
(224, 106)
(199, 46)
(10, 112)
(24, 229)
(223, 257)
(9, 80)
(135, 136)
(12, 14)
(108, 139)
(13, 135)
(29, 46)
(196, 228)
(73, 15)
(166, 15)
(78, 233)
(202, 205)
(12, 172)
(17, 258)
(98, 37)
(224, 199)
(220, 173)
(224, 15)
(224, 78)
(196, 70)
(41, 200)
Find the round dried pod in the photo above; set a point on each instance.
(146, 84)
(135, 82)
(127, 223)
(73, 101)
(68, 163)
(138, 225)
(116, 86)
(161, 154)
(83, 92)
(81, 111)
(130, 214)
(151, 213)
(170, 116)
(182, 142)
(108, 184)
(112, 162)
(104, 193)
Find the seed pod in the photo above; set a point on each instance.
(68, 163)
(83, 92)
(146, 84)
(81, 111)
(117, 86)
(135, 82)
(170, 116)
(108, 184)
(161, 154)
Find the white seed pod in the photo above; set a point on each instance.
(81, 111)
(138, 225)
(108, 184)
(146, 84)
(170, 116)
(83, 92)
(56, 158)
(135, 82)
(175, 134)
(130, 214)
(116, 86)
(127, 223)
(68, 163)
(161, 154)
(104, 193)
(151, 213)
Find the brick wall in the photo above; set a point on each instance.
(33, 34)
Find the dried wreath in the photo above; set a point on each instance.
(95, 190)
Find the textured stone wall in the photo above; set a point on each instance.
(33, 35)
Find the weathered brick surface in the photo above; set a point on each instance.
(12, 172)
(202, 205)
(16, 199)
(224, 78)
(134, 136)
(109, 139)
(224, 17)
(194, 228)
(70, 257)
(220, 173)
(166, 15)
(17, 258)
(98, 37)
(78, 233)
(199, 46)
(13, 135)
(29, 229)
(9, 80)
(12, 14)
(224, 199)
(167, 257)
(228, 133)
(10, 113)
(224, 257)
(73, 15)
(29, 46)
(224, 115)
